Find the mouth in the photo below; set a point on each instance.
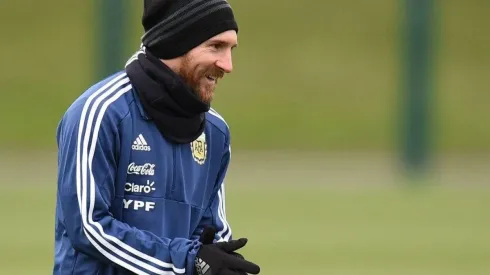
(212, 79)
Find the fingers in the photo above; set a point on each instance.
(234, 261)
(239, 264)
(231, 272)
(237, 255)
(232, 245)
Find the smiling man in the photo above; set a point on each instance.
(143, 157)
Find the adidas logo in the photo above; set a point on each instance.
(202, 267)
(140, 144)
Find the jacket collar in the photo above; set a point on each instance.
(137, 100)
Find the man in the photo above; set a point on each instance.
(142, 157)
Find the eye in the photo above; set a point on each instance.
(216, 46)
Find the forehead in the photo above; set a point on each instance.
(229, 37)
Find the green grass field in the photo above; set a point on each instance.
(334, 68)
(307, 216)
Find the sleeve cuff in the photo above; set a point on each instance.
(191, 257)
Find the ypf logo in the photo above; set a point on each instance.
(138, 205)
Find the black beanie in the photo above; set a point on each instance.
(174, 27)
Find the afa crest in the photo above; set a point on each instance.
(199, 149)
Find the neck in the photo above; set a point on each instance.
(169, 101)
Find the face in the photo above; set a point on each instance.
(204, 65)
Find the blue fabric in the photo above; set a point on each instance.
(129, 201)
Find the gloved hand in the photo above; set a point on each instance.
(221, 258)
(241, 257)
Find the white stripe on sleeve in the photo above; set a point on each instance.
(222, 216)
(84, 157)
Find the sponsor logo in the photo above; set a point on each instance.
(138, 205)
(140, 144)
(146, 169)
(135, 188)
(202, 267)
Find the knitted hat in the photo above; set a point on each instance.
(174, 27)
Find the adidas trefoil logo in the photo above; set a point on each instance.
(202, 267)
(140, 144)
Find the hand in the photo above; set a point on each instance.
(221, 258)
(241, 257)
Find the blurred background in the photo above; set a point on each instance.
(360, 133)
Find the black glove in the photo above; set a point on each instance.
(241, 257)
(220, 258)
(237, 255)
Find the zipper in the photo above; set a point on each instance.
(174, 165)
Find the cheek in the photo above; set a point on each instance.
(202, 66)
(195, 70)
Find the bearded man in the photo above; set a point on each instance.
(142, 157)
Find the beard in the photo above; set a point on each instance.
(196, 77)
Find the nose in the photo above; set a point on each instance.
(225, 63)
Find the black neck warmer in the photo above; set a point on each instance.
(177, 111)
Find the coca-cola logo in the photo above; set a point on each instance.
(146, 169)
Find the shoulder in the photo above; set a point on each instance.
(105, 101)
(218, 122)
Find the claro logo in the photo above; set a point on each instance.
(136, 188)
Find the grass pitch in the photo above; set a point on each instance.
(312, 229)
